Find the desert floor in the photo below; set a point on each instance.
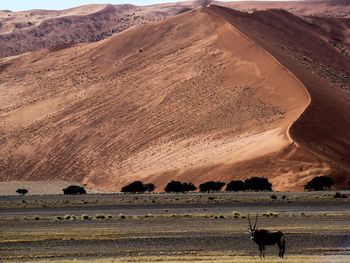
(172, 228)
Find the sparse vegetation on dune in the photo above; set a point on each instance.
(66, 25)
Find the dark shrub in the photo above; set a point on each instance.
(258, 184)
(74, 190)
(211, 186)
(85, 217)
(22, 192)
(100, 216)
(174, 186)
(319, 183)
(340, 195)
(189, 187)
(122, 216)
(235, 186)
(337, 195)
(134, 187)
(179, 187)
(273, 197)
(284, 197)
(150, 187)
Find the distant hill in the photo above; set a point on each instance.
(25, 31)
(320, 8)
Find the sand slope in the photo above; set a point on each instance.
(11, 21)
(188, 98)
(31, 30)
(318, 8)
(25, 31)
(322, 67)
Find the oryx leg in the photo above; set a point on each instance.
(280, 251)
(261, 251)
(282, 246)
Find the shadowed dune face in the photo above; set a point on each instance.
(319, 8)
(336, 30)
(323, 67)
(187, 98)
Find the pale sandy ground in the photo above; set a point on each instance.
(37, 187)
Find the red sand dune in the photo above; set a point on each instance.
(318, 8)
(321, 67)
(31, 30)
(25, 31)
(209, 94)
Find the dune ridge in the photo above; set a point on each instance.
(309, 97)
(324, 70)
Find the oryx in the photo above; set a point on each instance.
(264, 238)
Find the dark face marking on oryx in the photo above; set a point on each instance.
(264, 238)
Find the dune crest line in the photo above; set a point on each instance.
(278, 62)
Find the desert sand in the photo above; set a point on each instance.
(177, 99)
(210, 93)
(25, 31)
(317, 8)
(321, 66)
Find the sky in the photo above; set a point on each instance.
(18, 5)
